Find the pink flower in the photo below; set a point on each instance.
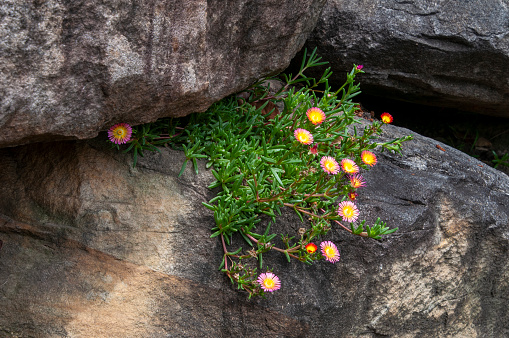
(329, 165)
(356, 181)
(359, 67)
(329, 251)
(269, 282)
(348, 211)
(349, 166)
(303, 136)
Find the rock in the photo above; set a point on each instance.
(71, 69)
(441, 53)
(93, 247)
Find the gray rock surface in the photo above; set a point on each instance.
(93, 247)
(441, 53)
(72, 68)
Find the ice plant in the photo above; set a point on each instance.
(315, 115)
(269, 282)
(356, 181)
(386, 118)
(329, 251)
(368, 157)
(348, 211)
(261, 165)
(311, 248)
(349, 166)
(303, 136)
(313, 150)
(120, 133)
(329, 165)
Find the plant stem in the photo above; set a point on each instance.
(273, 248)
(303, 211)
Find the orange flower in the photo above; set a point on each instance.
(386, 118)
(315, 115)
(303, 136)
(311, 248)
(368, 157)
(349, 166)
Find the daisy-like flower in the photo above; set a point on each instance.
(368, 157)
(303, 136)
(349, 166)
(348, 211)
(329, 251)
(329, 165)
(356, 181)
(352, 195)
(120, 133)
(269, 282)
(311, 248)
(386, 118)
(313, 150)
(315, 115)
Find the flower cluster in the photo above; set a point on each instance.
(347, 209)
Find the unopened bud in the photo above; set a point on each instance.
(302, 231)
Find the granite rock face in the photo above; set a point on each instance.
(440, 53)
(93, 247)
(70, 69)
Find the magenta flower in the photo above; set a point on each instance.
(120, 133)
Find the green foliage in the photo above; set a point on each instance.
(260, 168)
(500, 161)
(149, 136)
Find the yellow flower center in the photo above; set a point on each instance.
(269, 283)
(303, 138)
(386, 119)
(315, 117)
(329, 251)
(119, 132)
(348, 212)
(330, 165)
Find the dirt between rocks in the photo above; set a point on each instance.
(483, 137)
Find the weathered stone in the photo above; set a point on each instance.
(93, 247)
(72, 68)
(440, 53)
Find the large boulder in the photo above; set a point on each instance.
(440, 53)
(72, 68)
(93, 247)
